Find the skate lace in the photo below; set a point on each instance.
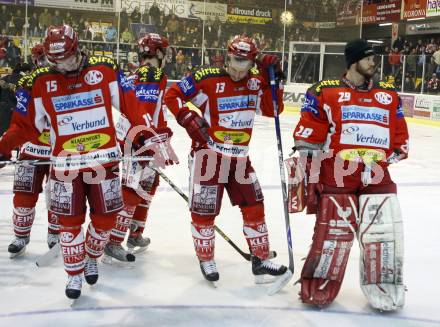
(19, 242)
(75, 282)
(270, 265)
(209, 267)
(91, 267)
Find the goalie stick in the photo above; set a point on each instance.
(287, 276)
(245, 255)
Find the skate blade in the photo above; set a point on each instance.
(137, 250)
(19, 253)
(48, 257)
(108, 260)
(264, 279)
(212, 284)
(280, 282)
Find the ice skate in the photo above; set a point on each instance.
(18, 246)
(209, 271)
(138, 244)
(115, 251)
(52, 239)
(265, 271)
(91, 271)
(73, 287)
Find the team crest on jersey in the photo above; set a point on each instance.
(93, 77)
(253, 84)
(23, 99)
(384, 98)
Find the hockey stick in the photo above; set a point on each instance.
(48, 257)
(38, 162)
(287, 276)
(245, 255)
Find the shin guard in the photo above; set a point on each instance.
(380, 238)
(72, 248)
(123, 220)
(255, 230)
(96, 239)
(137, 224)
(23, 219)
(324, 269)
(53, 226)
(203, 236)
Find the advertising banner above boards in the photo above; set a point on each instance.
(347, 13)
(206, 10)
(178, 7)
(18, 2)
(95, 5)
(432, 8)
(413, 9)
(422, 28)
(381, 13)
(252, 15)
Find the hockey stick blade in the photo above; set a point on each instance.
(280, 282)
(48, 257)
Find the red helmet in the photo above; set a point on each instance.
(37, 52)
(243, 46)
(150, 43)
(60, 42)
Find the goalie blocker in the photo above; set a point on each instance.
(377, 223)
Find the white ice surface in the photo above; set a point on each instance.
(166, 288)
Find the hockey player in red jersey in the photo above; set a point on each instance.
(350, 130)
(139, 182)
(75, 96)
(228, 100)
(28, 179)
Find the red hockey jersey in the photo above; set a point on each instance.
(229, 107)
(353, 122)
(78, 109)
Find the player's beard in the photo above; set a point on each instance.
(367, 72)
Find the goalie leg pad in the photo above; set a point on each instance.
(380, 238)
(324, 268)
(296, 195)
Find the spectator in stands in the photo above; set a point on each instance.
(433, 85)
(56, 19)
(34, 26)
(5, 17)
(394, 60)
(196, 58)
(408, 84)
(172, 26)
(3, 52)
(18, 23)
(436, 58)
(154, 13)
(180, 63)
(110, 34)
(136, 16)
(45, 19)
(411, 62)
(127, 36)
(13, 54)
(124, 20)
(68, 19)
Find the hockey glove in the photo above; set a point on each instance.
(265, 61)
(397, 156)
(156, 143)
(196, 126)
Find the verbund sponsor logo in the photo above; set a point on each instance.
(78, 100)
(367, 114)
(83, 121)
(237, 120)
(365, 135)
